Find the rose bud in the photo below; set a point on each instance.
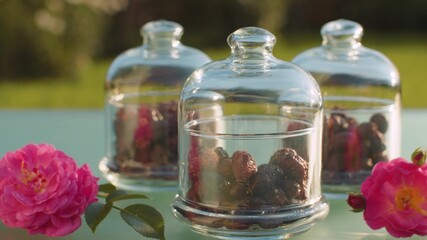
(356, 201)
(419, 156)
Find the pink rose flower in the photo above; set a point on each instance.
(43, 191)
(396, 198)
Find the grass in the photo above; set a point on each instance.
(86, 89)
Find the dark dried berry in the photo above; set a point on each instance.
(266, 178)
(224, 168)
(243, 203)
(221, 153)
(239, 190)
(276, 197)
(352, 123)
(258, 202)
(243, 165)
(380, 121)
(365, 130)
(340, 141)
(224, 197)
(377, 143)
(292, 165)
(337, 123)
(292, 189)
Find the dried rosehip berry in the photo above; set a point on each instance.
(239, 190)
(352, 123)
(365, 130)
(292, 165)
(236, 224)
(206, 221)
(337, 123)
(243, 165)
(224, 168)
(276, 197)
(377, 142)
(380, 121)
(339, 142)
(224, 196)
(221, 153)
(242, 203)
(266, 178)
(258, 202)
(292, 189)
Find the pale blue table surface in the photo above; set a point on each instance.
(80, 133)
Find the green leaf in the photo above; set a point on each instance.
(145, 219)
(95, 213)
(123, 195)
(107, 188)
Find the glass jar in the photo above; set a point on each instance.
(250, 137)
(142, 92)
(361, 93)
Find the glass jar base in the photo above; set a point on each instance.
(134, 182)
(260, 224)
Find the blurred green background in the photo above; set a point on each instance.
(55, 53)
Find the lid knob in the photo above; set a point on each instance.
(342, 33)
(251, 39)
(162, 32)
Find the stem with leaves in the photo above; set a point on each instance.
(145, 219)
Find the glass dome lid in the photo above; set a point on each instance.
(342, 53)
(252, 75)
(162, 60)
